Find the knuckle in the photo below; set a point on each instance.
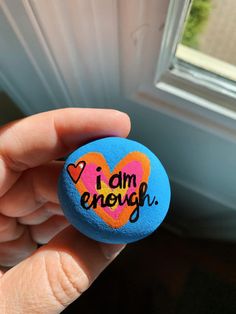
(67, 281)
(76, 279)
(10, 230)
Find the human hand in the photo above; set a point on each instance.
(47, 279)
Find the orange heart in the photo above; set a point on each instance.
(139, 163)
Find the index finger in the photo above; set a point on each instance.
(37, 139)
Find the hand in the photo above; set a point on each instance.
(47, 279)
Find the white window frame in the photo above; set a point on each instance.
(215, 96)
(177, 93)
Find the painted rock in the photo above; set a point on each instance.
(114, 190)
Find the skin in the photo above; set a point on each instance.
(48, 279)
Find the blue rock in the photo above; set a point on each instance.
(114, 190)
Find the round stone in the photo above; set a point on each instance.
(114, 190)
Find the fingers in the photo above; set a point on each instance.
(13, 252)
(42, 214)
(33, 189)
(9, 229)
(18, 241)
(45, 231)
(46, 136)
(56, 274)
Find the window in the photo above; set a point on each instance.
(198, 54)
(209, 38)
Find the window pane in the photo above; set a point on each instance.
(209, 37)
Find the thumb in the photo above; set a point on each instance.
(55, 275)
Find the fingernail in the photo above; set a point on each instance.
(110, 251)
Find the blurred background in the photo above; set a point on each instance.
(171, 65)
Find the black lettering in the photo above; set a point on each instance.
(142, 195)
(136, 199)
(127, 179)
(111, 200)
(96, 199)
(84, 200)
(99, 179)
(117, 176)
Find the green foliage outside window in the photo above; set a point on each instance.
(196, 21)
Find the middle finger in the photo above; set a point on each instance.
(32, 190)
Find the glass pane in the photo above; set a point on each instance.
(209, 37)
